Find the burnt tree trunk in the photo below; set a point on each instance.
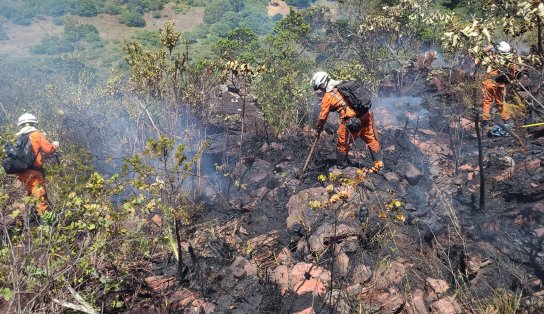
(480, 162)
(539, 28)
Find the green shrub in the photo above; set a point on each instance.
(85, 8)
(52, 45)
(132, 18)
(112, 7)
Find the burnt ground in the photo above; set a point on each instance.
(410, 239)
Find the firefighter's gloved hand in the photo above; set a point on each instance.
(319, 127)
(55, 144)
(378, 165)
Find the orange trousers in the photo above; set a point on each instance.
(34, 182)
(366, 133)
(494, 91)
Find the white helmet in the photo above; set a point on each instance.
(503, 47)
(27, 118)
(319, 79)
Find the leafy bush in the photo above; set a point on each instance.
(52, 45)
(81, 32)
(132, 18)
(85, 8)
(112, 7)
(300, 3)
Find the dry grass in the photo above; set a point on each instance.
(278, 6)
(22, 38)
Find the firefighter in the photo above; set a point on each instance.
(334, 101)
(33, 178)
(494, 86)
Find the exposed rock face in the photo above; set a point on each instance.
(298, 207)
(410, 173)
(305, 278)
(447, 305)
(435, 288)
(242, 267)
(322, 237)
(416, 304)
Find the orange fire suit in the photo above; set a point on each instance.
(333, 101)
(33, 179)
(493, 91)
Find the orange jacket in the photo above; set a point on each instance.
(334, 101)
(40, 145)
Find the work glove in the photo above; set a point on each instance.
(55, 144)
(378, 165)
(319, 126)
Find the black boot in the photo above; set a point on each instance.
(376, 156)
(341, 160)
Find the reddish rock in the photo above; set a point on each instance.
(361, 274)
(160, 283)
(391, 177)
(281, 278)
(388, 274)
(157, 219)
(242, 267)
(392, 303)
(447, 305)
(200, 306)
(529, 165)
(183, 297)
(389, 149)
(302, 246)
(309, 278)
(475, 263)
(285, 257)
(466, 168)
(309, 310)
(539, 232)
(437, 286)
(260, 193)
(276, 146)
(341, 263)
(298, 206)
(320, 239)
(416, 304)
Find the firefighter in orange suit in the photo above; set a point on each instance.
(333, 101)
(33, 178)
(494, 89)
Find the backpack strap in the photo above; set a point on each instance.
(341, 100)
(32, 167)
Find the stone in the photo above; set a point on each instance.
(388, 274)
(201, 306)
(529, 165)
(264, 148)
(466, 168)
(410, 173)
(447, 305)
(391, 177)
(389, 149)
(160, 284)
(341, 263)
(276, 146)
(361, 274)
(351, 244)
(302, 247)
(393, 303)
(539, 233)
(260, 193)
(427, 132)
(285, 257)
(305, 277)
(320, 239)
(475, 263)
(298, 207)
(242, 267)
(184, 297)
(435, 288)
(309, 310)
(281, 278)
(416, 304)
(157, 219)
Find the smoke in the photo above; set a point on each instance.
(396, 112)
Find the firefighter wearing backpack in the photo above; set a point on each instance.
(353, 125)
(494, 85)
(33, 177)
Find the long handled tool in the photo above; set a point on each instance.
(310, 154)
(532, 125)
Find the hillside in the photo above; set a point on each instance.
(202, 163)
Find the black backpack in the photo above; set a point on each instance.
(356, 95)
(19, 157)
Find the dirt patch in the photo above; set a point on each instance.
(22, 38)
(278, 7)
(110, 28)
